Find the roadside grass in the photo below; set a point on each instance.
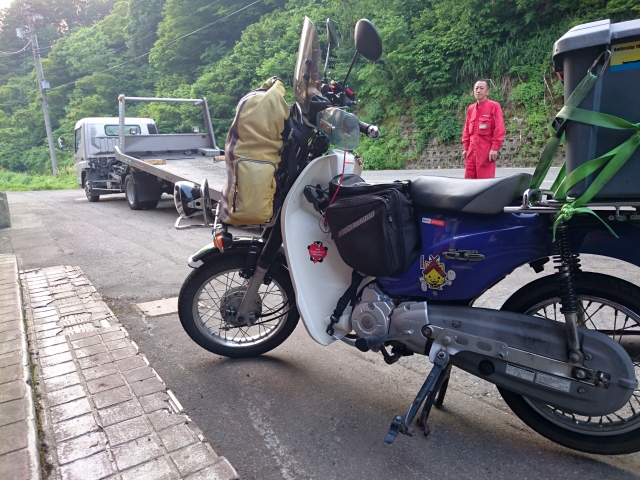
(14, 182)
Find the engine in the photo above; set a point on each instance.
(370, 315)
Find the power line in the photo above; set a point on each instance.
(21, 50)
(160, 46)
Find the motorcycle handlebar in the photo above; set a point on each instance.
(369, 130)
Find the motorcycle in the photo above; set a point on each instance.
(563, 350)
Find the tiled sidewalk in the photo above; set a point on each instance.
(18, 431)
(104, 411)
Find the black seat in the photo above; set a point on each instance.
(484, 196)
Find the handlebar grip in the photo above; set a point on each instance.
(369, 130)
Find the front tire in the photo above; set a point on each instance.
(211, 291)
(609, 304)
(90, 196)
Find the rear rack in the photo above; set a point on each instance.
(535, 200)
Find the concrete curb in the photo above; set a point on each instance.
(5, 217)
(20, 454)
(105, 412)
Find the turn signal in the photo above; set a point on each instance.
(222, 240)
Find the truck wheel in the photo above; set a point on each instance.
(90, 196)
(131, 193)
(151, 204)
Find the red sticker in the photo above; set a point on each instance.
(317, 252)
(433, 221)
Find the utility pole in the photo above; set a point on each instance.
(43, 85)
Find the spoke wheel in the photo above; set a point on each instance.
(608, 305)
(209, 300)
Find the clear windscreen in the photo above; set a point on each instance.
(307, 77)
(341, 127)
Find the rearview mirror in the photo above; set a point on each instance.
(332, 35)
(368, 41)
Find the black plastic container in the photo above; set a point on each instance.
(616, 93)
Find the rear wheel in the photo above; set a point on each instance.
(131, 194)
(211, 294)
(609, 305)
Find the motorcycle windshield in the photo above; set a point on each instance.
(307, 78)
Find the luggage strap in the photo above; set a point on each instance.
(348, 297)
(610, 162)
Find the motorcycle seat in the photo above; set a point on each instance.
(486, 196)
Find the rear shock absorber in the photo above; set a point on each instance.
(567, 265)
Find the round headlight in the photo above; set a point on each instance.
(188, 199)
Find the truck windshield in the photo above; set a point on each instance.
(112, 130)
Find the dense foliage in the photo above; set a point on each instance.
(433, 51)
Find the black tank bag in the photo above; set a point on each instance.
(373, 226)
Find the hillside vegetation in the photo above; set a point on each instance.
(92, 50)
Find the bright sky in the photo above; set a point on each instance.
(5, 3)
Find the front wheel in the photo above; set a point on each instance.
(211, 294)
(606, 304)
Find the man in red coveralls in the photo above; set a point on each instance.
(482, 135)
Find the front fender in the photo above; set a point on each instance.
(240, 244)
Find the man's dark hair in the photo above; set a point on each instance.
(485, 81)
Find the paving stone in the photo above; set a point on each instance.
(50, 342)
(48, 333)
(177, 437)
(110, 336)
(15, 465)
(45, 313)
(11, 346)
(79, 447)
(11, 373)
(94, 360)
(163, 419)
(128, 352)
(87, 342)
(157, 469)
(136, 452)
(57, 370)
(120, 412)
(218, 471)
(92, 350)
(80, 335)
(69, 309)
(10, 325)
(12, 391)
(14, 437)
(153, 402)
(10, 335)
(12, 411)
(53, 350)
(65, 395)
(56, 359)
(126, 431)
(131, 363)
(105, 383)
(94, 467)
(62, 381)
(193, 458)
(69, 410)
(47, 326)
(42, 321)
(118, 344)
(74, 427)
(111, 397)
(139, 374)
(150, 385)
(99, 371)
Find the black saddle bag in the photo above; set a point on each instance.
(373, 226)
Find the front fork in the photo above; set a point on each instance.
(257, 270)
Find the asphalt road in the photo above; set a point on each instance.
(302, 411)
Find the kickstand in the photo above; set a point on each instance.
(400, 423)
(443, 389)
(439, 390)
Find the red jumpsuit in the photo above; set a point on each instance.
(483, 131)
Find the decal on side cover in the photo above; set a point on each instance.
(433, 221)
(434, 276)
(317, 252)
